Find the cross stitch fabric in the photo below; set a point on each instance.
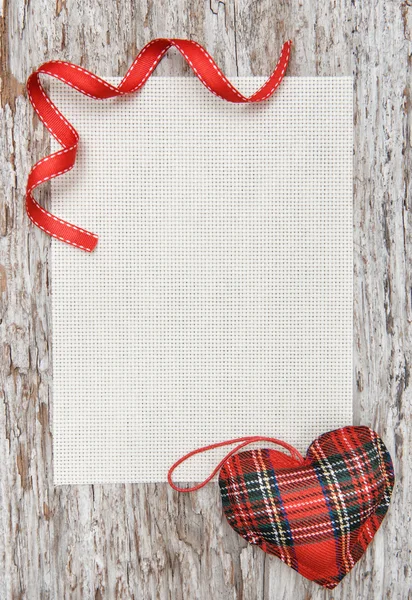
(218, 302)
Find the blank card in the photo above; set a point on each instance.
(218, 301)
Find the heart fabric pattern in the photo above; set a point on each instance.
(319, 514)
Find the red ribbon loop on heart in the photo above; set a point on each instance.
(244, 442)
(89, 84)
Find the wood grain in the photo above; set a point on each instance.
(144, 541)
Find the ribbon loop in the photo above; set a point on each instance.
(244, 442)
(89, 84)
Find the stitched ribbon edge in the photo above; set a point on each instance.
(86, 82)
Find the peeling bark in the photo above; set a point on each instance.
(146, 542)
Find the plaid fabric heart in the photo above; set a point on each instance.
(318, 515)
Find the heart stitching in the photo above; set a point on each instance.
(317, 515)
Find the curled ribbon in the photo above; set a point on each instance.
(89, 84)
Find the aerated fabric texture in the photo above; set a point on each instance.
(218, 302)
(318, 516)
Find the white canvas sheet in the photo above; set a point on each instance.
(218, 302)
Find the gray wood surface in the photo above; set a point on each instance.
(144, 541)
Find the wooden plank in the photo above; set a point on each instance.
(144, 541)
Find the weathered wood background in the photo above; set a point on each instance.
(144, 541)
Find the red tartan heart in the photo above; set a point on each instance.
(318, 516)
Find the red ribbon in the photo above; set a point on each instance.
(89, 84)
(243, 441)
